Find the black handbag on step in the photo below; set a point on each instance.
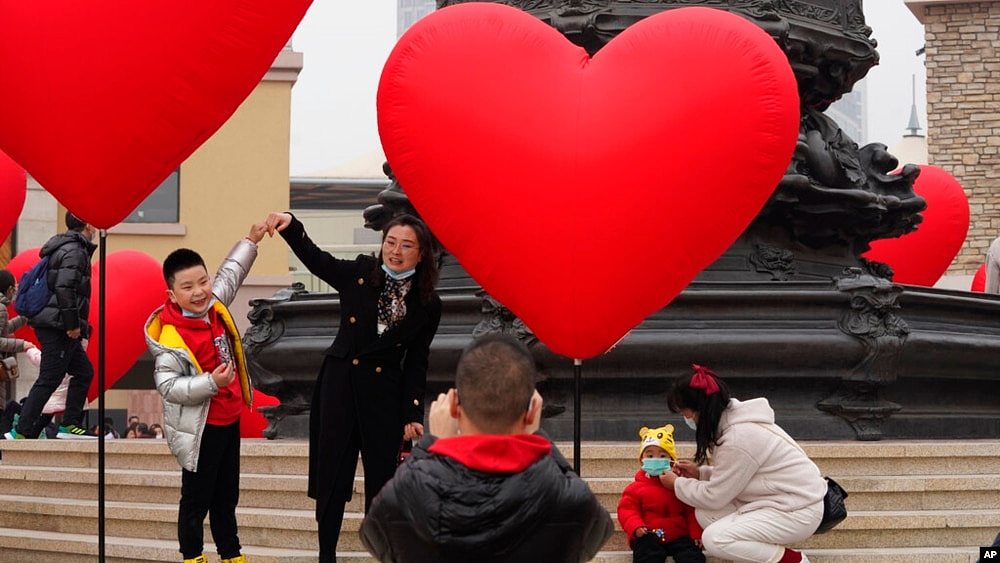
(834, 509)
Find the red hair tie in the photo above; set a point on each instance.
(704, 379)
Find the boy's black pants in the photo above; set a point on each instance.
(214, 490)
(649, 549)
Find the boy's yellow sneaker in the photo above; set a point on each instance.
(199, 559)
(238, 559)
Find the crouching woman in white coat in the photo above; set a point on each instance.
(761, 492)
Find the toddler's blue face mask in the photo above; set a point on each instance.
(655, 466)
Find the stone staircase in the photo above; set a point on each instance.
(933, 501)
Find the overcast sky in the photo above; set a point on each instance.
(345, 44)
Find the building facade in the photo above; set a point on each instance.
(963, 110)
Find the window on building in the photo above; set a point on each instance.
(161, 206)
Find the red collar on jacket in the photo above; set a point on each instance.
(492, 453)
(172, 315)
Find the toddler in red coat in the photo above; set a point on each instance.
(656, 522)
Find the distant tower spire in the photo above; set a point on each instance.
(914, 125)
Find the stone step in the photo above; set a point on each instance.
(296, 528)
(274, 457)
(19, 545)
(872, 555)
(599, 459)
(153, 486)
(263, 527)
(54, 547)
(906, 492)
(891, 529)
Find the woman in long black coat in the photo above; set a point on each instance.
(369, 394)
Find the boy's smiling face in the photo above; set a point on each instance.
(192, 290)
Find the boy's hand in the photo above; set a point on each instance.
(686, 468)
(257, 232)
(223, 375)
(640, 531)
(442, 424)
(277, 222)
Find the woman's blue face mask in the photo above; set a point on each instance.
(655, 466)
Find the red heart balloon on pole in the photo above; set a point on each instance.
(100, 101)
(922, 256)
(585, 193)
(135, 287)
(13, 189)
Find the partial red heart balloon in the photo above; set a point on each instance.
(979, 280)
(585, 193)
(18, 265)
(134, 288)
(13, 189)
(922, 256)
(100, 101)
(252, 422)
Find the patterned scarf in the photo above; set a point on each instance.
(392, 302)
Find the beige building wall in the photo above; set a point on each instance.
(963, 110)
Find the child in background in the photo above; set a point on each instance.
(201, 373)
(656, 523)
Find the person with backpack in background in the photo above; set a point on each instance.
(61, 325)
(8, 344)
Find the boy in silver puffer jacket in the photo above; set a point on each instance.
(201, 374)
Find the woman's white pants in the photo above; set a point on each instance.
(757, 536)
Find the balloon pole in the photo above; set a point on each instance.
(577, 383)
(102, 283)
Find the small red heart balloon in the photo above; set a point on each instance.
(13, 189)
(922, 256)
(135, 287)
(100, 101)
(584, 193)
(979, 280)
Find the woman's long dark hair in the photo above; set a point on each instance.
(708, 407)
(427, 269)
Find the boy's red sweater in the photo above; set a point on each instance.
(199, 336)
(646, 502)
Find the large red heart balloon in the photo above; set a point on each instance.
(922, 256)
(100, 101)
(13, 189)
(584, 193)
(134, 288)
